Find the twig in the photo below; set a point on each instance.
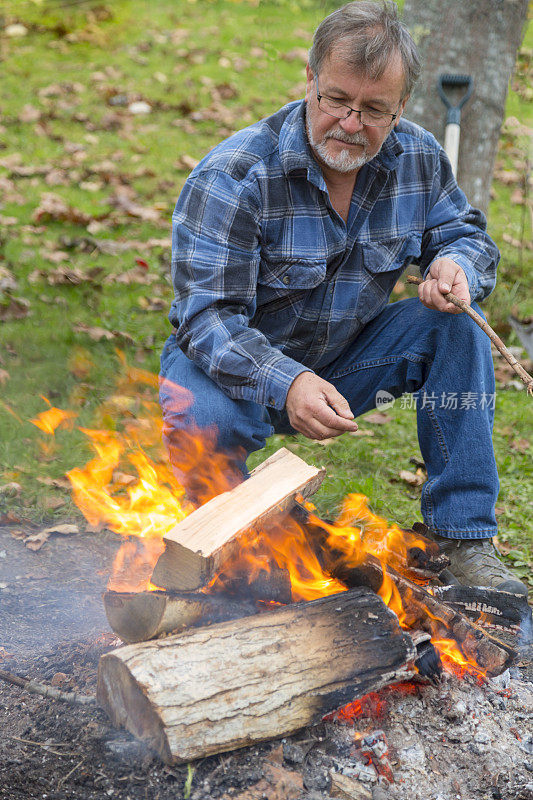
(525, 377)
(62, 781)
(45, 746)
(48, 691)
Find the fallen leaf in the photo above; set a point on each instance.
(362, 432)
(13, 307)
(15, 31)
(7, 221)
(186, 162)
(36, 540)
(520, 445)
(97, 334)
(139, 107)
(134, 275)
(377, 418)
(52, 207)
(10, 489)
(8, 282)
(412, 478)
(53, 503)
(4, 376)
(29, 113)
(57, 483)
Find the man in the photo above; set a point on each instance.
(287, 241)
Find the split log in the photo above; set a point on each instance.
(226, 686)
(423, 610)
(198, 545)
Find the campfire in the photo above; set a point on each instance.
(246, 616)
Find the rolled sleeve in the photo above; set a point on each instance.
(457, 230)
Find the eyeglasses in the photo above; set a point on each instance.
(368, 116)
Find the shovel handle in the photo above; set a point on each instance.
(451, 145)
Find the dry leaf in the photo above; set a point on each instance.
(29, 113)
(362, 432)
(54, 502)
(7, 280)
(53, 207)
(13, 308)
(377, 418)
(97, 334)
(520, 445)
(412, 478)
(186, 162)
(7, 221)
(4, 376)
(10, 489)
(36, 540)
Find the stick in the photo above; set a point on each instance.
(525, 377)
(48, 691)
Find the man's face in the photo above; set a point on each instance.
(344, 145)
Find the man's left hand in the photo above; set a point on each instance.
(444, 276)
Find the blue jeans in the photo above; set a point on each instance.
(444, 358)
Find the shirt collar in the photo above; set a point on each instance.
(296, 155)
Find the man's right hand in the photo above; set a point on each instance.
(317, 409)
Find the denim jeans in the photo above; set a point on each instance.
(407, 348)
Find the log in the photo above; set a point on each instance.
(198, 545)
(226, 686)
(140, 616)
(488, 606)
(423, 610)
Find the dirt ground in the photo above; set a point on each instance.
(447, 742)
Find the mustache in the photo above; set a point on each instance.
(349, 138)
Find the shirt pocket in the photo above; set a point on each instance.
(383, 263)
(283, 284)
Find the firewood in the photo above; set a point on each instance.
(198, 545)
(225, 686)
(139, 616)
(423, 610)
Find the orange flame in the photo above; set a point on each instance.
(130, 487)
(51, 419)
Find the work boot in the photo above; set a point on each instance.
(475, 562)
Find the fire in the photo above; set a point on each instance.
(456, 662)
(129, 487)
(51, 419)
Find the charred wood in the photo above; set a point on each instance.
(225, 686)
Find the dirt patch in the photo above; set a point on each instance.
(455, 740)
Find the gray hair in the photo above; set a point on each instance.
(368, 34)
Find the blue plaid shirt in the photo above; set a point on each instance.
(270, 281)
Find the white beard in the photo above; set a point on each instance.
(344, 161)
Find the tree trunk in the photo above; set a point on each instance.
(225, 686)
(479, 38)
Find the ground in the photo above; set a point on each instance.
(53, 630)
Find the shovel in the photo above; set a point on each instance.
(453, 116)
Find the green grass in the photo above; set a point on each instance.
(78, 65)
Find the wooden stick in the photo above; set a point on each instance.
(524, 376)
(48, 691)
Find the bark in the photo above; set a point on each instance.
(226, 686)
(479, 38)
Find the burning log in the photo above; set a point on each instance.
(139, 616)
(198, 545)
(420, 609)
(225, 686)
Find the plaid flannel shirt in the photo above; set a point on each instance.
(269, 281)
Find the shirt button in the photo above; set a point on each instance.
(271, 401)
(321, 339)
(286, 280)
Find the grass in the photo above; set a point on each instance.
(205, 69)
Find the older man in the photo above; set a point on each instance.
(287, 241)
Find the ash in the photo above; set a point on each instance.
(411, 742)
